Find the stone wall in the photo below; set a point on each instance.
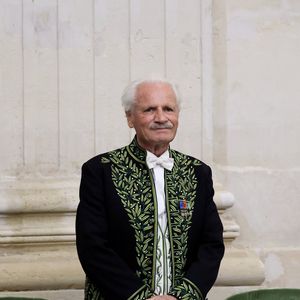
(257, 125)
(63, 66)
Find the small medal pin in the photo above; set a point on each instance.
(183, 206)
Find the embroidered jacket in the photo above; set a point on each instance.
(117, 220)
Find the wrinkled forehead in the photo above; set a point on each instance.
(155, 91)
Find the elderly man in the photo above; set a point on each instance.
(147, 226)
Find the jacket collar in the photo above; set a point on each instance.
(136, 151)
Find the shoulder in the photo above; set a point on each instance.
(101, 160)
(199, 166)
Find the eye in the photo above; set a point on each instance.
(149, 109)
(169, 109)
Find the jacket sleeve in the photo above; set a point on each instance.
(110, 275)
(203, 270)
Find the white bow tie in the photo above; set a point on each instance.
(163, 161)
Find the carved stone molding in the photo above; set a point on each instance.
(225, 200)
(37, 238)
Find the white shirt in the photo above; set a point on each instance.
(163, 271)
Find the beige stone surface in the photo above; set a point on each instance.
(256, 149)
(63, 66)
(63, 294)
(40, 268)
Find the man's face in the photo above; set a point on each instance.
(154, 115)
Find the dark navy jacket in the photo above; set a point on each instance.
(116, 226)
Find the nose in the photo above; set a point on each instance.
(160, 116)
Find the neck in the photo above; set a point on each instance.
(157, 150)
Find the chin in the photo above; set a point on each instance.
(163, 140)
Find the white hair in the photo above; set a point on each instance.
(129, 93)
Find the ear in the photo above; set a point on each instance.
(129, 119)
